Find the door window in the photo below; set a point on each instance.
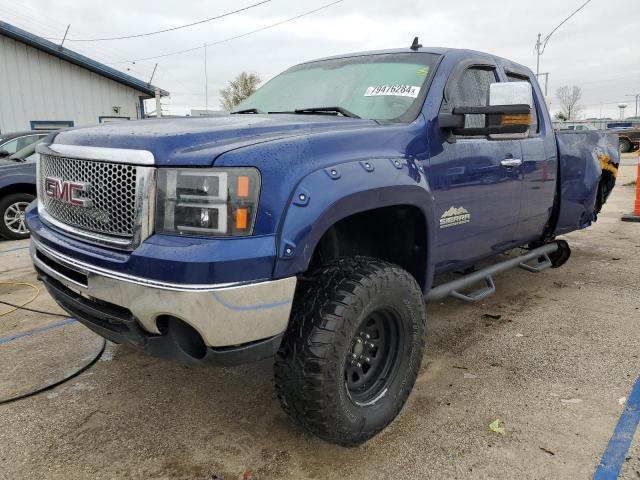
(472, 90)
(19, 143)
(10, 147)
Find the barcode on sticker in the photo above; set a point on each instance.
(394, 90)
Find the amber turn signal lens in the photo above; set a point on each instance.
(241, 218)
(516, 119)
(243, 186)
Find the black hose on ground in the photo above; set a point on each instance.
(4, 401)
(33, 310)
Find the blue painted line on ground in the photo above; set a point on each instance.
(36, 331)
(13, 249)
(614, 455)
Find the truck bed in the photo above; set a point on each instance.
(587, 164)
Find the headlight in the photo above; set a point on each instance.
(215, 201)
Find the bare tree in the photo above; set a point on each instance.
(560, 116)
(569, 98)
(238, 89)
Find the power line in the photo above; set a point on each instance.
(30, 17)
(199, 22)
(546, 39)
(541, 46)
(178, 52)
(35, 19)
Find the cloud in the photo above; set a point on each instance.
(595, 49)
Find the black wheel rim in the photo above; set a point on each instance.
(374, 356)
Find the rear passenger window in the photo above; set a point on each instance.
(473, 91)
(535, 128)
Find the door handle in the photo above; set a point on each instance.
(511, 162)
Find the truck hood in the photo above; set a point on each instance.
(192, 141)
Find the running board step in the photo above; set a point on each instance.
(453, 288)
(544, 262)
(478, 294)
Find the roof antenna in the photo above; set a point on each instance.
(415, 45)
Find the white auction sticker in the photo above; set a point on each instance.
(394, 90)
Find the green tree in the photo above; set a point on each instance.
(238, 89)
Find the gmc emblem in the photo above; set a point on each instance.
(65, 191)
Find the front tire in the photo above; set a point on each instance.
(12, 221)
(353, 349)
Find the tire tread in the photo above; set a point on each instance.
(307, 363)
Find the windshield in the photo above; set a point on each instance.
(388, 87)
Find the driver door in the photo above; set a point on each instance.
(476, 181)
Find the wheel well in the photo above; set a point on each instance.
(18, 188)
(395, 234)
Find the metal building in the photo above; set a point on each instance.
(46, 86)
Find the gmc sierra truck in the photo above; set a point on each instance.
(314, 221)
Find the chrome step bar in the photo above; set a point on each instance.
(453, 288)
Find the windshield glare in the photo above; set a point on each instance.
(386, 87)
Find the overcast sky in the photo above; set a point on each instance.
(597, 49)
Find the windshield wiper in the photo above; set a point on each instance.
(247, 110)
(342, 111)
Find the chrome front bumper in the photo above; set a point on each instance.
(223, 314)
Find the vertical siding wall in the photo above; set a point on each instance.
(37, 86)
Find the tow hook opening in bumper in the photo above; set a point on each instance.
(185, 337)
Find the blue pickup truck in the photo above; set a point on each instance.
(314, 221)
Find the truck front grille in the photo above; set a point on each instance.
(109, 188)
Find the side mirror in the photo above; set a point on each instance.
(4, 153)
(509, 112)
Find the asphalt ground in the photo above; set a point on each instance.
(552, 356)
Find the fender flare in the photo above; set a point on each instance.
(329, 195)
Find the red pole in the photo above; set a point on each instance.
(635, 215)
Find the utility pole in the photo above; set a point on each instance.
(637, 98)
(542, 44)
(206, 81)
(546, 81)
(538, 45)
(539, 51)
